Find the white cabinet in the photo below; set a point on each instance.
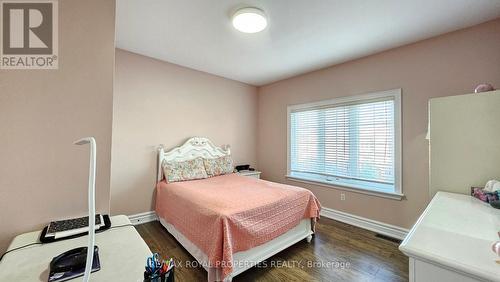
(250, 173)
(122, 253)
(464, 134)
(451, 241)
(428, 272)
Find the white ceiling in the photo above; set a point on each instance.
(302, 35)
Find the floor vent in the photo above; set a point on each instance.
(388, 238)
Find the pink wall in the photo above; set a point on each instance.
(451, 64)
(161, 103)
(43, 176)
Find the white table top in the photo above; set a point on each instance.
(456, 231)
(248, 172)
(122, 254)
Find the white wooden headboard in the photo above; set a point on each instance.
(193, 148)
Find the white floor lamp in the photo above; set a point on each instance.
(92, 165)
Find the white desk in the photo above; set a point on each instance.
(122, 254)
(452, 239)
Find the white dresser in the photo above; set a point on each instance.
(250, 173)
(452, 239)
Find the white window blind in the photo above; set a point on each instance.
(350, 143)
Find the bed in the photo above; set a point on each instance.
(229, 223)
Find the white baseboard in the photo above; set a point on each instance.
(365, 223)
(358, 221)
(143, 217)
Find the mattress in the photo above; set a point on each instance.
(245, 259)
(227, 214)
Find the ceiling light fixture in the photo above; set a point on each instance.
(249, 20)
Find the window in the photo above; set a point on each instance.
(351, 142)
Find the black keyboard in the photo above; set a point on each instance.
(70, 224)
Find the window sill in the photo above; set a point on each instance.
(388, 195)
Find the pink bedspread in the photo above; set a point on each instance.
(226, 214)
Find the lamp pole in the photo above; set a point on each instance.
(91, 200)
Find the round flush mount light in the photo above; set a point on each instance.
(249, 20)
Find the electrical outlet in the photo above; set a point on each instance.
(342, 196)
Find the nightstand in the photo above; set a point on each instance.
(250, 173)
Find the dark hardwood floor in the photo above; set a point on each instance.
(338, 252)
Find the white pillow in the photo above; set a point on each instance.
(182, 171)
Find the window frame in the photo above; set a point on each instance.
(393, 94)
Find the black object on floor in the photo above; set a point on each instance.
(388, 238)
